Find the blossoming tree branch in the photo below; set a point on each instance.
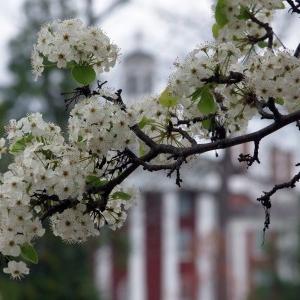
(75, 184)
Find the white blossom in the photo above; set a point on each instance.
(16, 269)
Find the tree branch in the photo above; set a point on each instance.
(59, 208)
(251, 159)
(269, 32)
(295, 8)
(297, 52)
(184, 153)
(265, 199)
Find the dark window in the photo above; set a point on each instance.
(186, 204)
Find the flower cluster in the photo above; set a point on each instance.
(199, 75)
(98, 126)
(276, 75)
(69, 42)
(238, 20)
(201, 64)
(236, 88)
(46, 172)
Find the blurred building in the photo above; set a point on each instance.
(203, 241)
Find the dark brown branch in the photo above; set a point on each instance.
(142, 136)
(260, 108)
(272, 107)
(251, 137)
(269, 32)
(277, 187)
(59, 208)
(265, 199)
(297, 52)
(233, 77)
(151, 167)
(183, 153)
(251, 159)
(188, 122)
(118, 100)
(295, 8)
(156, 149)
(185, 135)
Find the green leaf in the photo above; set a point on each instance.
(95, 181)
(215, 30)
(207, 104)
(145, 121)
(71, 64)
(48, 154)
(281, 6)
(29, 253)
(197, 94)
(220, 13)
(21, 144)
(83, 74)
(167, 99)
(244, 13)
(121, 195)
(28, 188)
(279, 101)
(142, 149)
(207, 124)
(262, 44)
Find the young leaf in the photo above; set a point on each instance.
(167, 99)
(215, 30)
(121, 195)
(83, 74)
(244, 13)
(29, 253)
(142, 149)
(145, 121)
(220, 13)
(95, 181)
(207, 104)
(207, 124)
(197, 94)
(71, 64)
(281, 5)
(262, 44)
(21, 144)
(279, 101)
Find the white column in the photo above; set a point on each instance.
(237, 254)
(136, 266)
(205, 222)
(103, 274)
(170, 272)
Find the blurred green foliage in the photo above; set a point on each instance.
(64, 272)
(272, 286)
(23, 94)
